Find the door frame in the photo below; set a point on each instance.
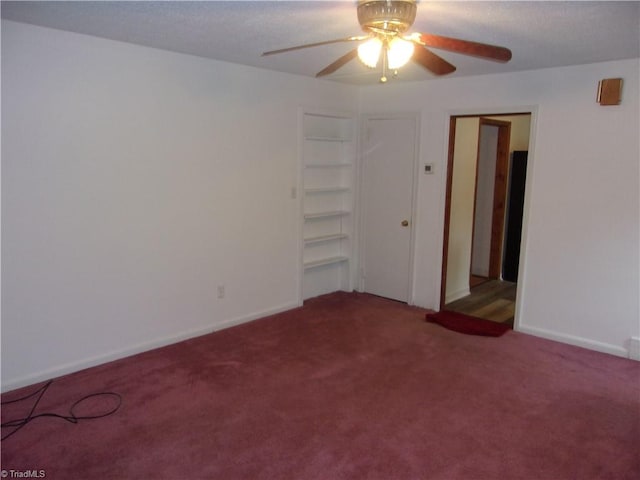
(363, 133)
(531, 110)
(499, 195)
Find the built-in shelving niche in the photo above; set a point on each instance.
(328, 154)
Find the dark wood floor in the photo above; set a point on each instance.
(492, 300)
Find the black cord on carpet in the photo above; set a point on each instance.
(19, 423)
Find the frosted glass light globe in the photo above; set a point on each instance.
(369, 52)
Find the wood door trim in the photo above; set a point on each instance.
(449, 187)
(499, 195)
(447, 210)
(449, 176)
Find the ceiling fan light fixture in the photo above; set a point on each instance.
(388, 43)
(399, 53)
(386, 16)
(369, 52)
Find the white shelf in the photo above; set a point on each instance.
(325, 261)
(327, 165)
(325, 238)
(328, 178)
(333, 213)
(313, 191)
(327, 139)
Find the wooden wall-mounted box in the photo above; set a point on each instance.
(609, 91)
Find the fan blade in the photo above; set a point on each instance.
(338, 63)
(465, 47)
(431, 61)
(308, 45)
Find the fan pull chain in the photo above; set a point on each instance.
(383, 78)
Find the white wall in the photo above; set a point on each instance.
(461, 220)
(135, 182)
(520, 131)
(579, 278)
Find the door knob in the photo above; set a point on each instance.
(405, 223)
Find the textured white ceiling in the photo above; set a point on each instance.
(540, 34)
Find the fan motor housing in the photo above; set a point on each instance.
(386, 16)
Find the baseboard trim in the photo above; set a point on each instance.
(576, 341)
(634, 348)
(452, 297)
(139, 348)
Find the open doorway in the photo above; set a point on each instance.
(483, 214)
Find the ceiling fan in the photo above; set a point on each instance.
(385, 23)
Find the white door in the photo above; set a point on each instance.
(388, 166)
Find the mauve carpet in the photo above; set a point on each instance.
(350, 386)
